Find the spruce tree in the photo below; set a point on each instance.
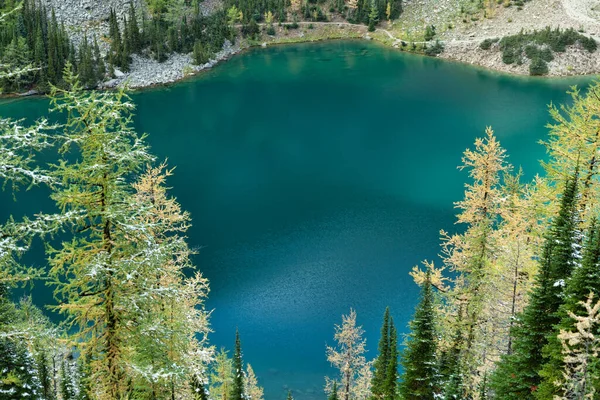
(133, 30)
(18, 371)
(99, 62)
(44, 373)
(334, 392)
(237, 391)
(584, 280)
(383, 357)
(419, 380)
(69, 385)
(198, 390)
(517, 375)
(373, 16)
(391, 378)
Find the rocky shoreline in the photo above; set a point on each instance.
(146, 72)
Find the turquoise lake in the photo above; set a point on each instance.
(317, 176)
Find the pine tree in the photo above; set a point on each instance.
(198, 389)
(86, 64)
(99, 63)
(334, 392)
(373, 16)
(517, 376)
(133, 31)
(391, 378)
(69, 379)
(18, 370)
(419, 380)
(289, 395)
(584, 281)
(44, 374)
(237, 391)
(383, 357)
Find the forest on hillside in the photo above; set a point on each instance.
(513, 312)
(31, 34)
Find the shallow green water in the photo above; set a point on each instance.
(317, 175)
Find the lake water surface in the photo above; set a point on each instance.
(317, 176)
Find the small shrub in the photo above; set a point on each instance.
(487, 44)
(509, 56)
(251, 29)
(201, 54)
(538, 67)
(589, 44)
(546, 54)
(429, 33)
(271, 30)
(531, 51)
(434, 50)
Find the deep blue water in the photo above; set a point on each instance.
(317, 176)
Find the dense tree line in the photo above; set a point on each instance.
(32, 36)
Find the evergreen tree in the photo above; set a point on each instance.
(201, 54)
(44, 374)
(419, 380)
(99, 62)
(133, 31)
(517, 375)
(373, 16)
(334, 392)
(289, 395)
(18, 374)
(237, 391)
(69, 385)
(87, 76)
(198, 389)
(584, 281)
(383, 358)
(391, 378)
